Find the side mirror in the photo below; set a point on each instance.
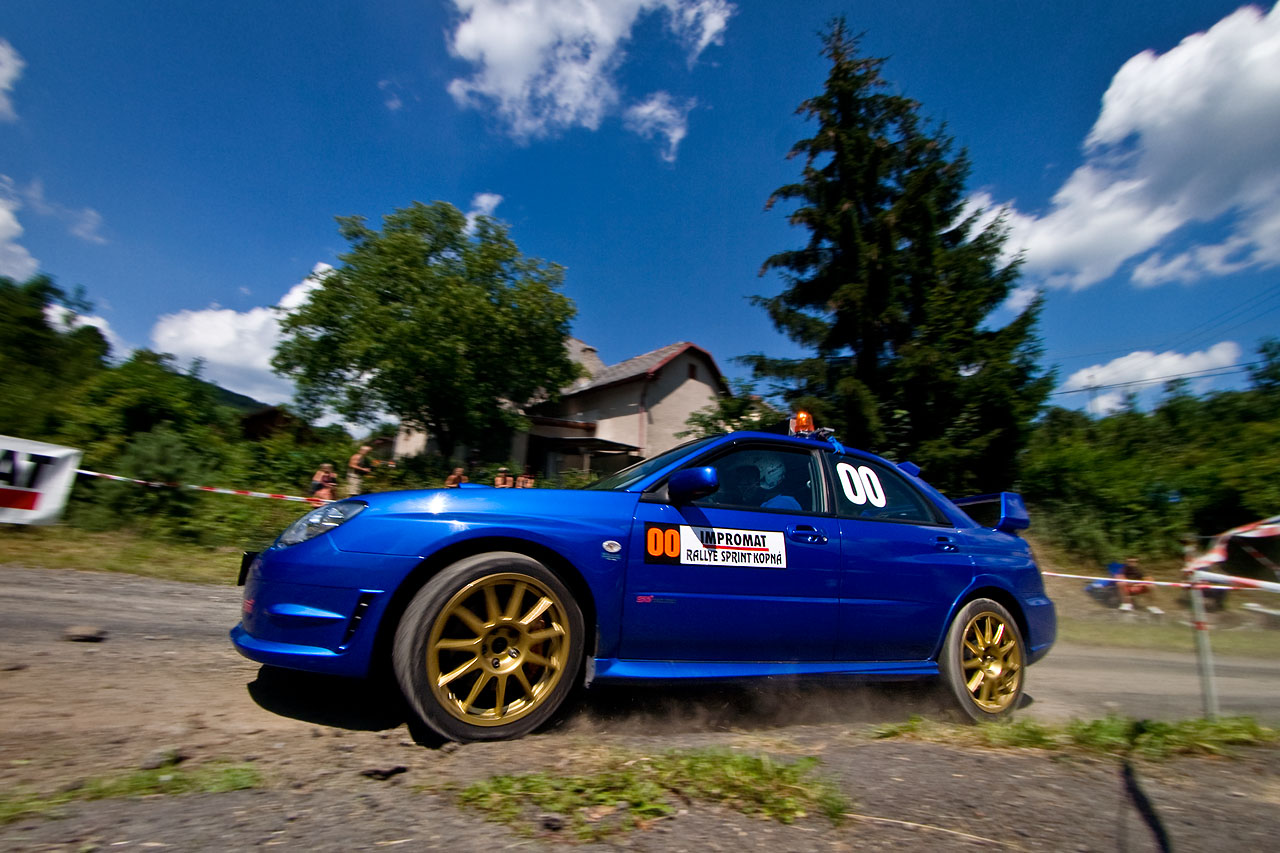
(1013, 513)
(691, 484)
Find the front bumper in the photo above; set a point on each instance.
(290, 620)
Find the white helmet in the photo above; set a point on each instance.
(771, 472)
(766, 469)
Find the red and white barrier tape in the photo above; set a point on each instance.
(1178, 584)
(1238, 583)
(243, 492)
(1267, 527)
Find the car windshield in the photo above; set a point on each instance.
(628, 477)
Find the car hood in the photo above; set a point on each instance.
(415, 522)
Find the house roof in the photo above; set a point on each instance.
(639, 367)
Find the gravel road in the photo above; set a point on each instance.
(166, 676)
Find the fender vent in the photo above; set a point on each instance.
(362, 606)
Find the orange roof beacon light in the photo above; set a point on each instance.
(802, 424)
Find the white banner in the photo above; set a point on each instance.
(34, 480)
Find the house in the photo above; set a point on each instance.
(621, 413)
(613, 416)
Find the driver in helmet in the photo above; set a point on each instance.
(755, 481)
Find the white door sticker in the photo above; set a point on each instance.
(861, 485)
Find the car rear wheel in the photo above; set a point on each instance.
(982, 661)
(489, 648)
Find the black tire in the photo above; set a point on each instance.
(983, 660)
(489, 648)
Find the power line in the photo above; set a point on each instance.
(1199, 329)
(1204, 326)
(1252, 319)
(1226, 370)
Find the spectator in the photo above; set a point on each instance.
(457, 478)
(357, 467)
(525, 480)
(1129, 590)
(323, 482)
(504, 480)
(1107, 592)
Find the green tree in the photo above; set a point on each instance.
(1266, 375)
(438, 321)
(893, 291)
(106, 411)
(1137, 481)
(40, 360)
(739, 410)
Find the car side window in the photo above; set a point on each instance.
(766, 478)
(870, 491)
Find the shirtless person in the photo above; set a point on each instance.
(357, 467)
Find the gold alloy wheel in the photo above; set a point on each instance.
(498, 648)
(992, 662)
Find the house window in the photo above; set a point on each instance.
(693, 371)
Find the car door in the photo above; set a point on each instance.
(749, 573)
(904, 564)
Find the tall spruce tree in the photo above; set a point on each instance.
(892, 289)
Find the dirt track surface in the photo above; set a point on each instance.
(166, 676)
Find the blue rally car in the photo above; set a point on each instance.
(743, 555)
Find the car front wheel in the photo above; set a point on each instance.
(982, 661)
(489, 648)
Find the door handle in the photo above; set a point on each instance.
(807, 534)
(946, 543)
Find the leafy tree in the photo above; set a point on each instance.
(39, 360)
(1136, 481)
(438, 321)
(894, 288)
(1266, 375)
(104, 412)
(742, 409)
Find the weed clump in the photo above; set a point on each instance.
(213, 778)
(625, 793)
(1112, 735)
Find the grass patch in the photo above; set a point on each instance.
(1154, 739)
(63, 547)
(1110, 735)
(1168, 637)
(622, 793)
(213, 778)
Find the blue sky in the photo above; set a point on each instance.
(183, 161)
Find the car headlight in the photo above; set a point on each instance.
(320, 520)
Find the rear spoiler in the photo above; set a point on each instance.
(1013, 512)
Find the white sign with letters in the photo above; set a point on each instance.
(34, 480)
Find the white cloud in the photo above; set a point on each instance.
(64, 319)
(15, 261)
(1146, 369)
(549, 65)
(236, 346)
(390, 95)
(482, 204)
(1020, 298)
(699, 24)
(84, 222)
(11, 65)
(658, 116)
(1184, 137)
